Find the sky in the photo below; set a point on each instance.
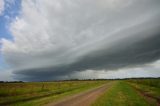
(43, 40)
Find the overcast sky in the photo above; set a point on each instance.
(64, 39)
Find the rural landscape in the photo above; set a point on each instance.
(124, 92)
(79, 52)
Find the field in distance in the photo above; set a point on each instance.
(129, 92)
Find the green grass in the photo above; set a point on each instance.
(40, 93)
(148, 82)
(121, 94)
(148, 87)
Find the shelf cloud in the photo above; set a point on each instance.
(56, 39)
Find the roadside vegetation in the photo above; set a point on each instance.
(127, 92)
(147, 82)
(40, 93)
(149, 88)
(121, 94)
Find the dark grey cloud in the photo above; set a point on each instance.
(65, 38)
(129, 52)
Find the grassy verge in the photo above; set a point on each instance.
(151, 93)
(150, 86)
(147, 82)
(42, 93)
(121, 94)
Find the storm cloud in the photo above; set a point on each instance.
(56, 39)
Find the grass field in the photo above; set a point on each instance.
(135, 92)
(121, 94)
(40, 93)
(149, 88)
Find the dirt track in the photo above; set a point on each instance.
(83, 99)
